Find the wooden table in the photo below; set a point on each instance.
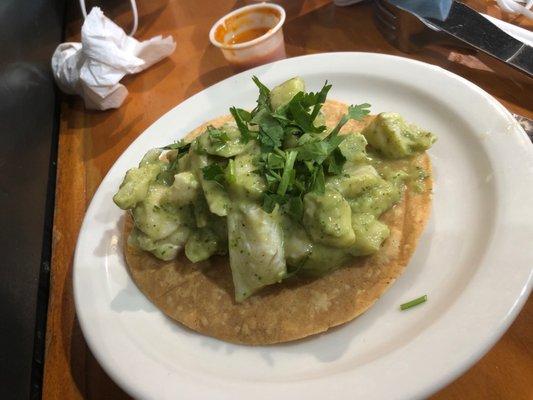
(91, 141)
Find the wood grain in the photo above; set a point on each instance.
(91, 141)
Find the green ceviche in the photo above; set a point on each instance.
(276, 188)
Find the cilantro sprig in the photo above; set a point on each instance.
(218, 137)
(295, 156)
(413, 303)
(214, 172)
(166, 176)
(242, 117)
(181, 145)
(293, 172)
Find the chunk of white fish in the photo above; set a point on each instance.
(256, 251)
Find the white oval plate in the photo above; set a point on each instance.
(474, 260)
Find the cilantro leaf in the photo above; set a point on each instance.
(300, 115)
(274, 161)
(259, 116)
(320, 150)
(313, 151)
(178, 145)
(318, 183)
(320, 99)
(166, 177)
(272, 179)
(268, 203)
(335, 162)
(242, 117)
(295, 208)
(263, 101)
(270, 200)
(217, 136)
(357, 112)
(270, 132)
(280, 115)
(298, 111)
(213, 172)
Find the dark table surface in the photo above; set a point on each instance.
(29, 32)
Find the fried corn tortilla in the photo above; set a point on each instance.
(201, 295)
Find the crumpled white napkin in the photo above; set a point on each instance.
(94, 67)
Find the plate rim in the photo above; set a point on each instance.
(487, 342)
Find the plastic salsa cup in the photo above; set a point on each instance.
(250, 35)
